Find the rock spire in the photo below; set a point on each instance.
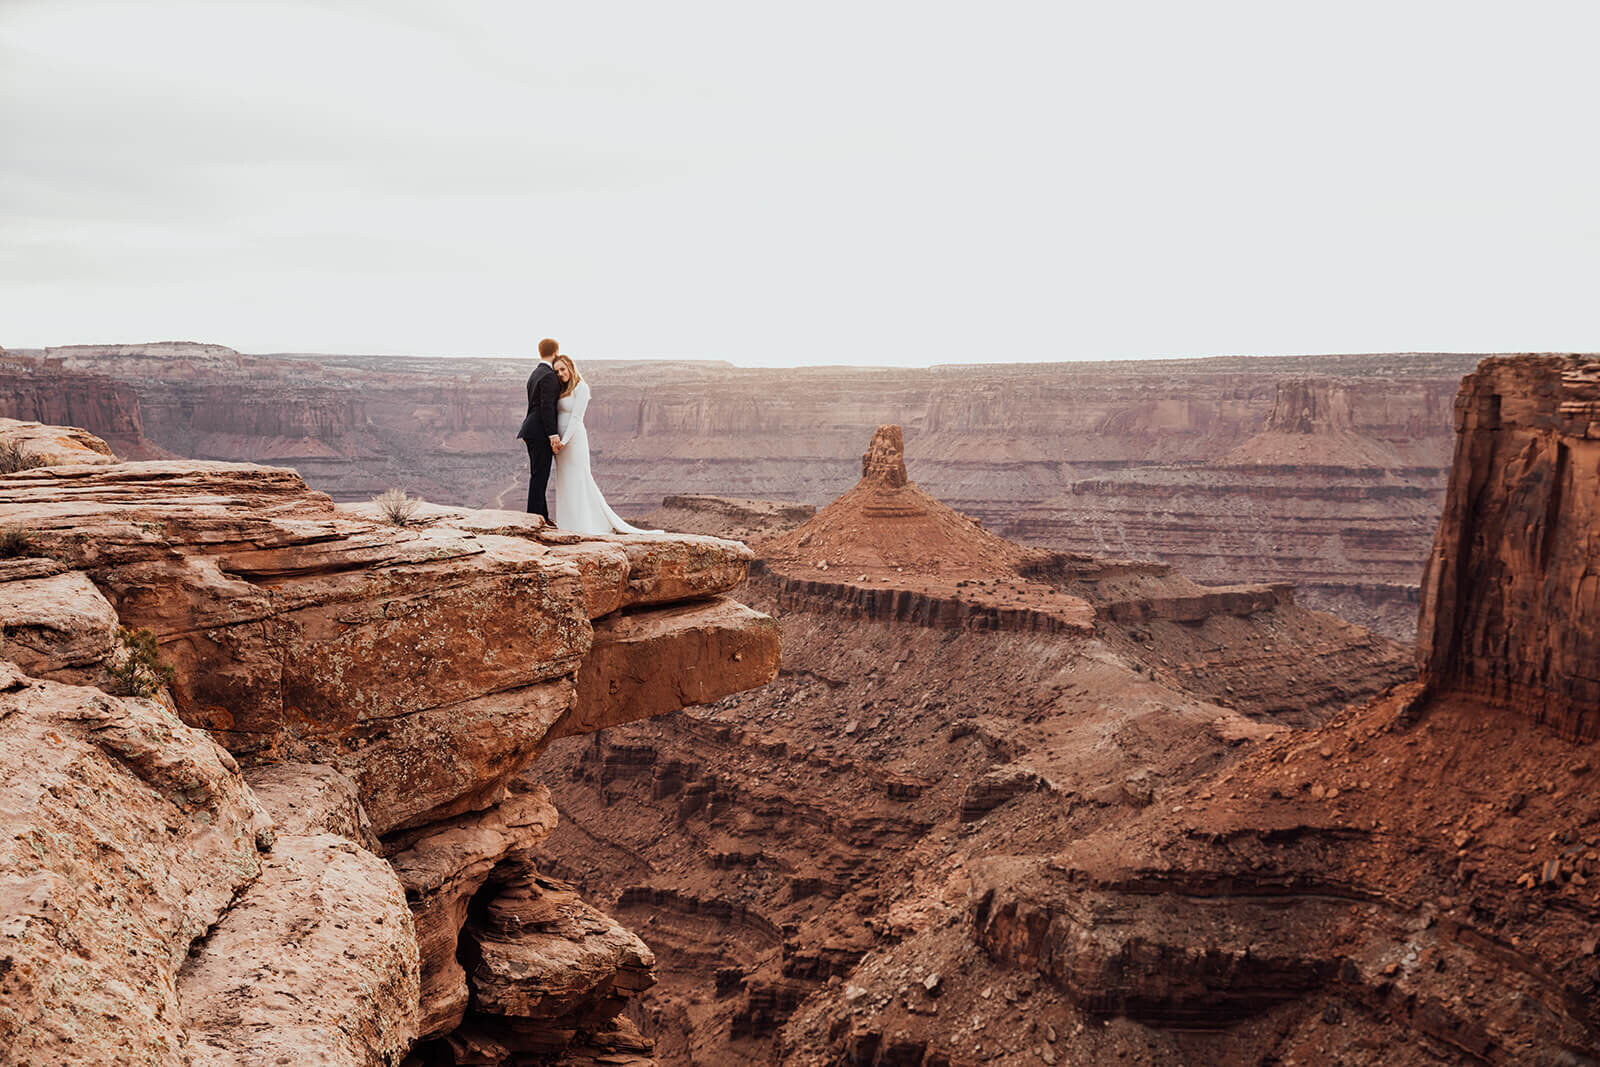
(884, 462)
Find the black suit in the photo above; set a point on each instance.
(544, 387)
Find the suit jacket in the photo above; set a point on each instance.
(544, 388)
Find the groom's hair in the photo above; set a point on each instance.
(548, 348)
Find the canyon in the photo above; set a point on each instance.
(499, 793)
(1326, 472)
(1173, 824)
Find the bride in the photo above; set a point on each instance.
(580, 507)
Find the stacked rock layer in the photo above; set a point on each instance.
(261, 762)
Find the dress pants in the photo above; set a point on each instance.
(539, 459)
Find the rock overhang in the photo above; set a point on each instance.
(429, 661)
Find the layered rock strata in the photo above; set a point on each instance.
(1324, 471)
(803, 860)
(1416, 880)
(383, 686)
(299, 632)
(1516, 626)
(45, 392)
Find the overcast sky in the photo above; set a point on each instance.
(772, 184)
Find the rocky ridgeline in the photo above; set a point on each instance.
(310, 838)
(911, 606)
(1324, 471)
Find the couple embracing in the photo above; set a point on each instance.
(554, 433)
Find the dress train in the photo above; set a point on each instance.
(580, 506)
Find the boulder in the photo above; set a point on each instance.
(54, 623)
(546, 968)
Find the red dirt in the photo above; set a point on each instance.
(886, 532)
(808, 853)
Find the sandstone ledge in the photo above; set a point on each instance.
(650, 662)
(384, 686)
(427, 663)
(38, 445)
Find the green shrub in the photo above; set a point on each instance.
(140, 671)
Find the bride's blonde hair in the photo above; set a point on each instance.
(571, 366)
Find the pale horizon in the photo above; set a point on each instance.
(892, 184)
(532, 354)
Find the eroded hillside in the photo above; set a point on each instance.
(808, 853)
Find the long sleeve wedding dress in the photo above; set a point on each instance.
(580, 506)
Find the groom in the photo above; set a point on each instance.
(539, 426)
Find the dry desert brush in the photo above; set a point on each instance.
(395, 508)
(15, 542)
(14, 459)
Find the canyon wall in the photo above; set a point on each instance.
(1416, 879)
(44, 392)
(1322, 471)
(1512, 590)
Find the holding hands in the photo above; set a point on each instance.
(555, 444)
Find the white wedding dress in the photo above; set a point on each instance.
(580, 506)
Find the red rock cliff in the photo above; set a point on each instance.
(110, 409)
(1415, 881)
(364, 883)
(1511, 595)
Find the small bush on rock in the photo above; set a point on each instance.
(13, 459)
(395, 508)
(15, 542)
(139, 671)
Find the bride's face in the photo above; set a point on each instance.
(563, 373)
